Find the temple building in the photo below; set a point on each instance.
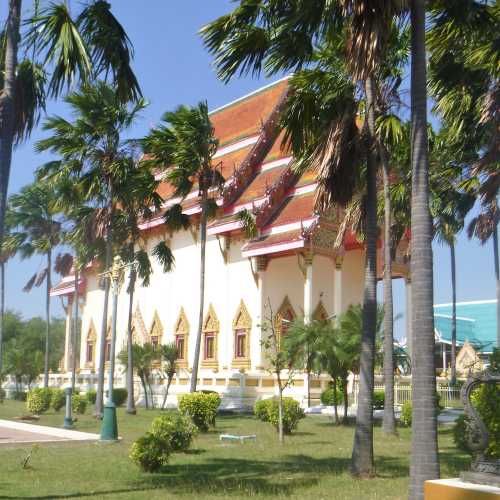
(289, 268)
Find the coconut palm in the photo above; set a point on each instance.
(485, 227)
(37, 229)
(424, 452)
(184, 146)
(274, 37)
(63, 50)
(168, 355)
(94, 154)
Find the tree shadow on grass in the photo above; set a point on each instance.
(242, 476)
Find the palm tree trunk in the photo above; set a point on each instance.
(104, 325)
(346, 398)
(362, 453)
(389, 421)
(309, 388)
(497, 277)
(169, 381)
(424, 451)
(453, 316)
(7, 99)
(203, 241)
(74, 342)
(47, 319)
(130, 351)
(335, 400)
(2, 312)
(145, 389)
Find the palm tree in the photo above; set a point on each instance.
(301, 342)
(185, 143)
(95, 155)
(37, 228)
(63, 50)
(168, 355)
(424, 452)
(485, 226)
(144, 357)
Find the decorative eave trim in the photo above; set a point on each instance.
(278, 247)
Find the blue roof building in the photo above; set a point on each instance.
(476, 322)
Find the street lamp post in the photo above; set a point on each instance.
(109, 429)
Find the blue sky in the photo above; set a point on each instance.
(173, 68)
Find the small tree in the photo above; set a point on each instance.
(302, 342)
(279, 360)
(143, 357)
(168, 354)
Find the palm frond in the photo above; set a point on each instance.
(164, 255)
(30, 283)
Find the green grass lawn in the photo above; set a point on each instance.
(313, 463)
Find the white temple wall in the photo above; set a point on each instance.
(323, 280)
(353, 278)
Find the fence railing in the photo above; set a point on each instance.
(449, 394)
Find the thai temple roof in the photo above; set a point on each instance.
(476, 322)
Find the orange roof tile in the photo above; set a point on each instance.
(294, 209)
(257, 188)
(273, 240)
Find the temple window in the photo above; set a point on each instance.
(181, 333)
(284, 318)
(210, 333)
(242, 326)
(90, 345)
(155, 335)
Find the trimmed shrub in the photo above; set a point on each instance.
(292, 413)
(261, 409)
(201, 407)
(119, 396)
(78, 404)
(2, 395)
(177, 429)
(460, 434)
(150, 452)
(378, 400)
(91, 396)
(328, 397)
(57, 399)
(38, 400)
(405, 418)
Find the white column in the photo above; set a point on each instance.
(409, 336)
(260, 266)
(443, 346)
(308, 284)
(337, 287)
(68, 348)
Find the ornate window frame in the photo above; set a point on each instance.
(287, 311)
(210, 325)
(242, 321)
(181, 327)
(156, 330)
(91, 339)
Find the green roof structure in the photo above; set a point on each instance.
(476, 322)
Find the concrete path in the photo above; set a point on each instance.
(18, 432)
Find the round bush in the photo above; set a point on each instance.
(119, 396)
(261, 409)
(460, 433)
(38, 400)
(58, 399)
(328, 397)
(201, 407)
(150, 452)
(91, 396)
(177, 429)
(78, 404)
(378, 400)
(2, 395)
(292, 413)
(405, 418)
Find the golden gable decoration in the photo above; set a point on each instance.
(139, 333)
(320, 313)
(181, 335)
(182, 323)
(285, 315)
(90, 345)
(242, 317)
(211, 322)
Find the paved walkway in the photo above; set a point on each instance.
(19, 432)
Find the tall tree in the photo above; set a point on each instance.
(63, 50)
(424, 452)
(184, 146)
(94, 154)
(36, 227)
